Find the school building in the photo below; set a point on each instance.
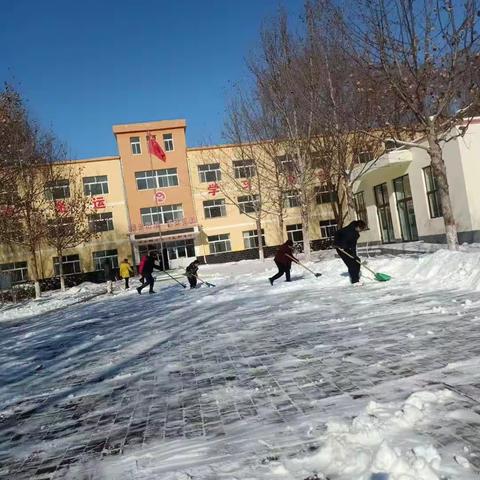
(398, 197)
(180, 206)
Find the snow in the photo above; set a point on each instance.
(311, 379)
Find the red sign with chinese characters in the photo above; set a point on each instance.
(246, 184)
(213, 189)
(60, 206)
(160, 197)
(99, 202)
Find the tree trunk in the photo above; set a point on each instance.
(440, 172)
(351, 212)
(38, 290)
(60, 271)
(306, 233)
(261, 254)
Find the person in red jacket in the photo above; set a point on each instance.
(140, 268)
(283, 259)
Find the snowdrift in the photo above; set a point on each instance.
(442, 269)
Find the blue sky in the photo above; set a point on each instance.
(86, 65)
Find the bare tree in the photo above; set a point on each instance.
(427, 53)
(68, 217)
(23, 216)
(255, 184)
(288, 92)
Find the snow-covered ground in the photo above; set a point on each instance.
(313, 379)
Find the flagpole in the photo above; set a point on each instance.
(156, 201)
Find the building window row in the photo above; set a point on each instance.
(214, 208)
(162, 214)
(150, 179)
(209, 173)
(136, 144)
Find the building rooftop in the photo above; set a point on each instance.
(141, 127)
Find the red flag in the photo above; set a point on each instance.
(155, 149)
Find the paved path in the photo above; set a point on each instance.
(220, 365)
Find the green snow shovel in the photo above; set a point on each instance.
(380, 277)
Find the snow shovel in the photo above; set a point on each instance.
(304, 266)
(380, 277)
(208, 284)
(173, 278)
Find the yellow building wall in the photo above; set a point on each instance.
(235, 223)
(115, 239)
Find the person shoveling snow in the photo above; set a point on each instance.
(345, 242)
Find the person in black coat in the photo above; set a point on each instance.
(147, 271)
(345, 242)
(191, 272)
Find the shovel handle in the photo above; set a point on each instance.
(356, 259)
(299, 263)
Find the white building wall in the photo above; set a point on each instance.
(462, 159)
(469, 151)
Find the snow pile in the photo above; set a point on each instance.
(363, 449)
(442, 269)
(51, 300)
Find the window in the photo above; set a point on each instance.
(209, 173)
(360, 207)
(61, 227)
(135, 144)
(365, 157)
(168, 142)
(70, 265)
(219, 243)
(244, 168)
(214, 208)
(433, 193)
(328, 228)
(405, 208)
(247, 203)
(181, 249)
(18, 271)
(101, 222)
(57, 190)
(292, 199)
(162, 214)
(95, 185)
(325, 194)
(250, 239)
(156, 178)
(100, 257)
(295, 233)
(285, 163)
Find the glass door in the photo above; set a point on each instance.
(384, 214)
(406, 212)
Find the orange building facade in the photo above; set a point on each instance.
(158, 191)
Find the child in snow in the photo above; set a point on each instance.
(283, 259)
(126, 271)
(191, 272)
(345, 242)
(109, 274)
(147, 271)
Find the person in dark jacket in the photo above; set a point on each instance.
(109, 274)
(283, 259)
(147, 271)
(345, 242)
(191, 272)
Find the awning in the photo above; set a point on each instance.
(388, 160)
(165, 238)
